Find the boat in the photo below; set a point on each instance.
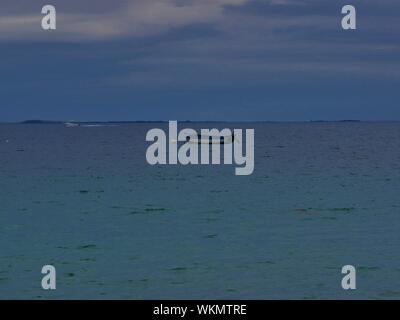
(71, 124)
(207, 139)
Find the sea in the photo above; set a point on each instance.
(323, 195)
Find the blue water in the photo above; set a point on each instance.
(323, 195)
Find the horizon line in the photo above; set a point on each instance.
(41, 121)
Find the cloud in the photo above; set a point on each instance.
(137, 18)
(239, 42)
(287, 2)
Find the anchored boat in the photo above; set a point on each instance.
(71, 124)
(208, 139)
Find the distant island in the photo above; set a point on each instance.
(83, 122)
(335, 120)
(164, 121)
(39, 121)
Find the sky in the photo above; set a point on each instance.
(228, 60)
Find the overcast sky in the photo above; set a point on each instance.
(200, 60)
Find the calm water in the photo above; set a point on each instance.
(323, 195)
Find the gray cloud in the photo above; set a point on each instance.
(137, 18)
(240, 41)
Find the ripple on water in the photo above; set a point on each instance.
(154, 209)
(366, 268)
(210, 236)
(87, 246)
(178, 269)
(390, 294)
(321, 210)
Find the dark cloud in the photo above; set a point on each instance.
(219, 46)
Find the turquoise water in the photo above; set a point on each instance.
(322, 195)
